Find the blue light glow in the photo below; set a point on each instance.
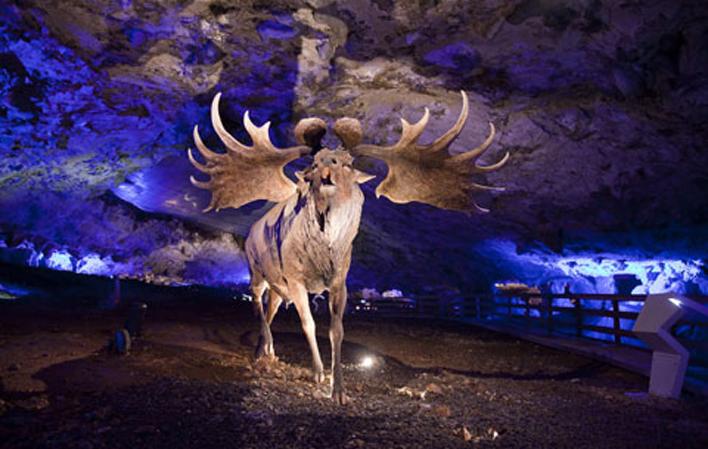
(61, 260)
(93, 264)
(202, 262)
(12, 291)
(595, 273)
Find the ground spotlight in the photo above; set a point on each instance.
(367, 362)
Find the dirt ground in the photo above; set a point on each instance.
(190, 382)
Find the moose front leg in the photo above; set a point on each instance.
(302, 305)
(337, 304)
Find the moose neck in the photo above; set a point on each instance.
(336, 221)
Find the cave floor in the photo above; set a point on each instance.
(190, 382)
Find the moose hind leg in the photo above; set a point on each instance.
(265, 339)
(308, 327)
(274, 301)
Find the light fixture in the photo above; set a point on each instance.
(669, 358)
(676, 302)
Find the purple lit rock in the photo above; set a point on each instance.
(271, 29)
(458, 56)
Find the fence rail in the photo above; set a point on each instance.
(553, 314)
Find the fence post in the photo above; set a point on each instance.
(578, 317)
(616, 321)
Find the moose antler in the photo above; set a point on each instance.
(428, 173)
(244, 174)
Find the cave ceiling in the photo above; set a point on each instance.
(603, 106)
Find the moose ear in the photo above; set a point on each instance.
(362, 177)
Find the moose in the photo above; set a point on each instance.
(303, 244)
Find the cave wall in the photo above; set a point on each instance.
(601, 104)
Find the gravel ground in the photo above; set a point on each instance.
(191, 382)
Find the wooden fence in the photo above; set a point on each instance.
(561, 314)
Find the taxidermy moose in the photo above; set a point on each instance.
(303, 244)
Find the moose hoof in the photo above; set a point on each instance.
(319, 377)
(265, 359)
(259, 354)
(340, 397)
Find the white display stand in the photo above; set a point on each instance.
(670, 358)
